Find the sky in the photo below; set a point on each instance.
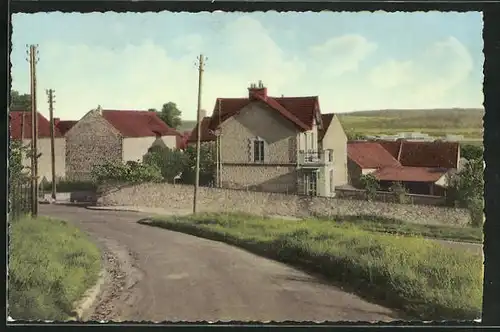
(352, 61)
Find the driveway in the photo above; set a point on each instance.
(160, 275)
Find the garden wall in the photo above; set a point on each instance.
(180, 198)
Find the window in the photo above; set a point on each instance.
(258, 150)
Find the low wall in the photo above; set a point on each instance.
(388, 197)
(180, 197)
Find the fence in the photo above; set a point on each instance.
(19, 197)
(389, 197)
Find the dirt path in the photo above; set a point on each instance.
(159, 275)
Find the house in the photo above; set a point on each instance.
(276, 144)
(20, 129)
(422, 167)
(64, 125)
(114, 135)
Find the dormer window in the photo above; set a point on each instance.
(258, 150)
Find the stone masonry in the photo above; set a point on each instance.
(180, 198)
(91, 141)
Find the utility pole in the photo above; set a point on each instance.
(201, 64)
(50, 94)
(33, 59)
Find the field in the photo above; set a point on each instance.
(418, 277)
(51, 265)
(435, 122)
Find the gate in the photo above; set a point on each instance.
(19, 197)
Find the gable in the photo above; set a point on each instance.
(91, 122)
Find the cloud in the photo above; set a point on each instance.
(343, 54)
(430, 75)
(146, 73)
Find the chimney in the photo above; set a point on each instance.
(259, 90)
(56, 121)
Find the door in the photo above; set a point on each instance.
(310, 183)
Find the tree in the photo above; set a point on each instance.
(466, 189)
(20, 101)
(470, 151)
(170, 114)
(353, 136)
(370, 184)
(170, 162)
(207, 164)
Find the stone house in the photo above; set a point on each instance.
(422, 167)
(114, 135)
(276, 144)
(20, 129)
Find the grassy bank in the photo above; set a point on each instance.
(51, 265)
(417, 276)
(397, 227)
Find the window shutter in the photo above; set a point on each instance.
(250, 150)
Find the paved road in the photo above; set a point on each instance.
(163, 275)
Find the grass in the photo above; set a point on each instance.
(397, 227)
(419, 278)
(435, 122)
(51, 265)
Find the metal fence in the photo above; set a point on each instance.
(19, 197)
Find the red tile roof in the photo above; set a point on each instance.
(326, 119)
(206, 133)
(409, 174)
(138, 123)
(430, 154)
(65, 125)
(299, 110)
(370, 155)
(43, 125)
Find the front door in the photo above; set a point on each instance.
(310, 182)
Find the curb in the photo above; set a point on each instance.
(104, 208)
(83, 306)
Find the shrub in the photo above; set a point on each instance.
(400, 193)
(370, 184)
(170, 162)
(69, 186)
(129, 172)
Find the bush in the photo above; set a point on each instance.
(129, 172)
(423, 279)
(400, 193)
(370, 184)
(170, 162)
(51, 265)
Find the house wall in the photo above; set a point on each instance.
(257, 120)
(354, 173)
(180, 198)
(91, 141)
(308, 140)
(278, 179)
(134, 148)
(45, 160)
(336, 140)
(277, 172)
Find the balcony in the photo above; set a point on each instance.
(315, 159)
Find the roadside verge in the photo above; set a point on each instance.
(53, 267)
(422, 278)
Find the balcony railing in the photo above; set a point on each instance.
(315, 158)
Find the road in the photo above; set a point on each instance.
(160, 275)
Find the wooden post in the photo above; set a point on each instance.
(34, 132)
(198, 138)
(50, 94)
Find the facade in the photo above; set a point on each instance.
(112, 135)
(273, 144)
(422, 167)
(20, 129)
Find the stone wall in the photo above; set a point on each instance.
(180, 197)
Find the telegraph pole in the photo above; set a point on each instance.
(201, 64)
(33, 59)
(51, 95)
